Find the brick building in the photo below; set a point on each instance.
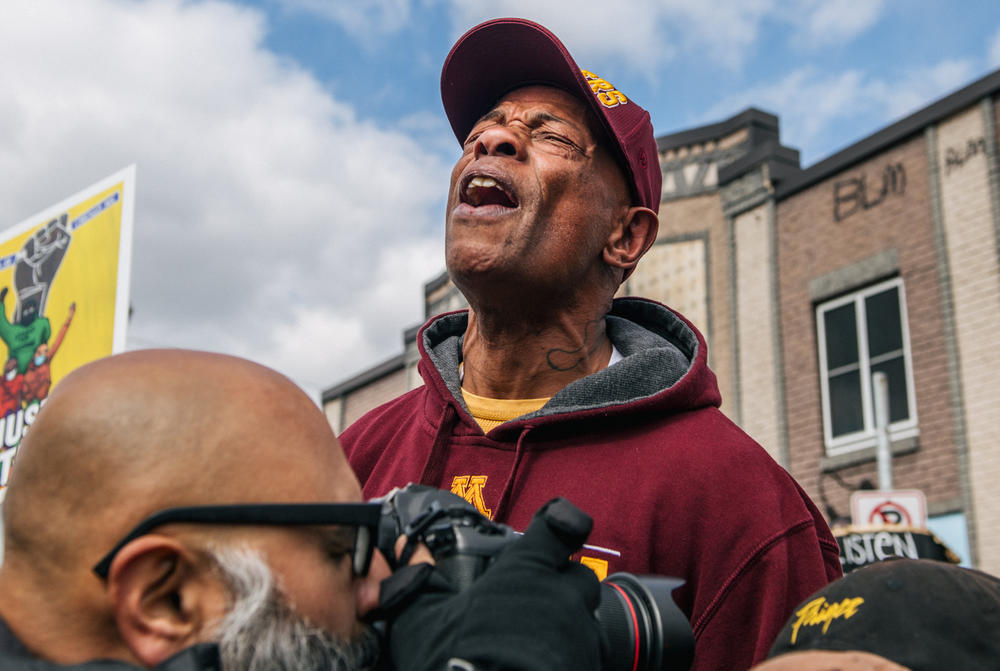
(883, 257)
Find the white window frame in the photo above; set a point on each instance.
(866, 436)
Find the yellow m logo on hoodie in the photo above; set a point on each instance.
(470, 488)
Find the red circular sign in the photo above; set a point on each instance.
(889, 512)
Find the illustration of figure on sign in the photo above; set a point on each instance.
(27, 373)
(38, 377)
(34, 271)
(10, 388)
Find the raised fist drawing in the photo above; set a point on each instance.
(36, 267)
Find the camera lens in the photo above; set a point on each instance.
(645, 629)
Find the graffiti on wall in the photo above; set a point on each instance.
(855, 194)
(956, 157)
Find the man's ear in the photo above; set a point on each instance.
(631, 237)
(164, 597)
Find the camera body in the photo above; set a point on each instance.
(463, 542)
(643, 626)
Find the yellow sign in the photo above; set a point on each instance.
(64, 298)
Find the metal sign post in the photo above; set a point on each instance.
(883, 453)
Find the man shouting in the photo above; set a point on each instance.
(549, 386)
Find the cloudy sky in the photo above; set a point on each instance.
(292, 155)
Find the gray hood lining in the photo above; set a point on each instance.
(657, 346)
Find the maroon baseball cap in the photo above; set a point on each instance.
(500, 55)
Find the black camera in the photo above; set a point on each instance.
(645, 629)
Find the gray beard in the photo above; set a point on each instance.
(262, 631)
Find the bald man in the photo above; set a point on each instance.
(161, 524)
(829, 660)
(125, 437)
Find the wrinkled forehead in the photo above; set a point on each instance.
(558, 103)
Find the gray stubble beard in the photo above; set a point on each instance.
(263, 632)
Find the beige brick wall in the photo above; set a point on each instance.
(332, 411)
(975, 279)
(812, 244)
(674, 273)
(373, 395)
(755, 309)
(701, 216)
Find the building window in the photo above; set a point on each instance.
(861, 334)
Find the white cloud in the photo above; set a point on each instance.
(810, 102)
(645, 35)
(593, 32)
(829, 22)
(365, 19)
(648, 34)
(267, 211)
(316, 340)
(319, 338)
(807, 102)
(993, 56)
(917, 87)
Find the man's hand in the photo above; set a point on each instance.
(532, 609)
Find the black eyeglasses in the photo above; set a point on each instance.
(364, 516)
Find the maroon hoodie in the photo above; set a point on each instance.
(674, 487)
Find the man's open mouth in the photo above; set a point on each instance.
(480, 190)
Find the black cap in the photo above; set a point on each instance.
(920, 613)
